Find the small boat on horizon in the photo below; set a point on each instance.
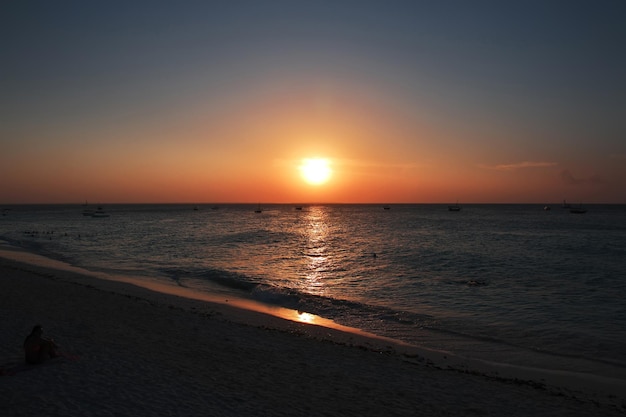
(578, 210)
(100, 213)
(454, 207)
(258, 209)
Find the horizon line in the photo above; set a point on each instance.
(209, 203)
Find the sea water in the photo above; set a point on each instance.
(510, 283)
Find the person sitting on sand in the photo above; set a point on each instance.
(38, 349)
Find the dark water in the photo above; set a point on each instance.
(512, 283)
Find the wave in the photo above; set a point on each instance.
(342, 310)
(227, 279)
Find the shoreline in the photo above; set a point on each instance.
(73, 288)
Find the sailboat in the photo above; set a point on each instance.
(258, 209)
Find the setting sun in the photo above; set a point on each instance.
(315, 171)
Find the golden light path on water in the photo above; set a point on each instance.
(316, 251)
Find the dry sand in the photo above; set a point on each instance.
(134, 352)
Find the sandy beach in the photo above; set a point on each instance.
(131, 351)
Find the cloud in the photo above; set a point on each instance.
(520, 165)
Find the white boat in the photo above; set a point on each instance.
(100, 213)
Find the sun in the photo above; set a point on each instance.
(316, 171)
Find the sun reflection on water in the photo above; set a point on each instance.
(305, 317)
(316, 250)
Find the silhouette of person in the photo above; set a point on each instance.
(38, 349)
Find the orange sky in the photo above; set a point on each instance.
(200, 112)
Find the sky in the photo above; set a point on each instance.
(221, 101)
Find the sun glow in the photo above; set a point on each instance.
(316, 171)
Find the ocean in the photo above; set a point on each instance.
(514, 284)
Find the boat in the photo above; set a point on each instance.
(298, 207)
(578, 210)
(386, 208)
(258, 209)
(100, 213)
(566, 205)
(454, 207)
(547, 208)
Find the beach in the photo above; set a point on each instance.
(131, 351)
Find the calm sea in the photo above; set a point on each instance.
(511, 283)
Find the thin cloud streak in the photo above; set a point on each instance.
(519, 165)
(371, 168)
